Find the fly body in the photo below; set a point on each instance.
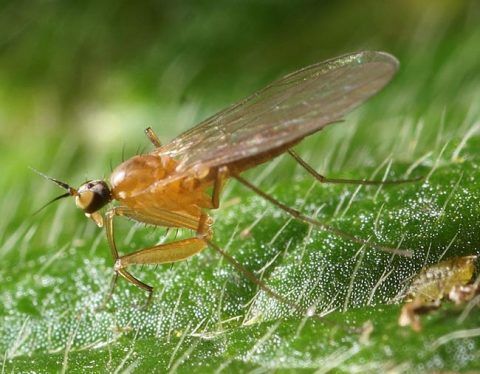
(176, 184)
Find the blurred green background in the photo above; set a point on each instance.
(80, 80)
(93, 74)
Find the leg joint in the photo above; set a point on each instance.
(111, 213)
(118, 265)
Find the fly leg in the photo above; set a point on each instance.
(109, 294)
(251, 277)
(323, 179)
(153, 137)
(159, 254)
(220, 178)
(301, 217)
(113, 248)
(178, 251)
(204, 235)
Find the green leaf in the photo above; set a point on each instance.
(204, 308)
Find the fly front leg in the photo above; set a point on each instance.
(323, 179)
(119, 270)
(158, 254)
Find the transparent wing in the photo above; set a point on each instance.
(287, 110)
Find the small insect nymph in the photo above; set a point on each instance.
(448, 279)
(169, 186)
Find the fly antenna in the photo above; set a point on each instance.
(71, 191)
(51, 201)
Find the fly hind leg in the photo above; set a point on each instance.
(320, 225)
(323, 179)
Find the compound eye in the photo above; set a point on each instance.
(92, 196)
(84, 199)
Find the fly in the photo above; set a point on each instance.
(168, 186)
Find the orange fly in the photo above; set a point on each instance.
(168, 186)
